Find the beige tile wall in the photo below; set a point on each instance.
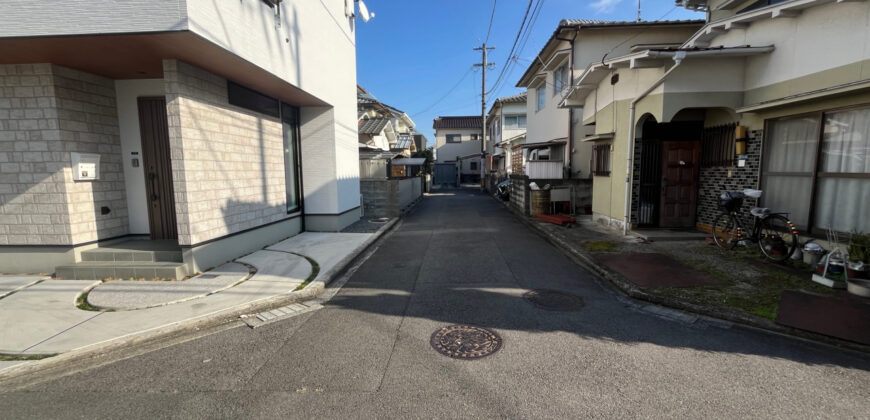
(228, 162)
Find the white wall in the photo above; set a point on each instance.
(131, 141)
(39, 18)
(447, 152)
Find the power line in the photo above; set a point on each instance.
(491, 16)
(513, 47)
(524, 39)
(467, 72)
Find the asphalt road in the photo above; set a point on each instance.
(462, 259)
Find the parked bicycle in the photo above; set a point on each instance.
(776, 236)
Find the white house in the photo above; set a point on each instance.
(457, 141)
(506, 129)
(215, 127)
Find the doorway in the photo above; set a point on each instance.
(680, 163)
(154, 131)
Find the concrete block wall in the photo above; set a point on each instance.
(227, 162)
(389, 197)
(46, 112)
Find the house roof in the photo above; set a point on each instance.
(409, 161)
(457, 122)
(576, 24)
(372, 125)
(519, 98)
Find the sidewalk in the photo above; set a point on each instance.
(44, 317)
(686, 272)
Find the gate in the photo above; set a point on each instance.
(445, 173)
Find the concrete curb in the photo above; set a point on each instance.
(627, 288)
(96, 351)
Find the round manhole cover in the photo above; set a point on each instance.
(554, 300)
(465, 342)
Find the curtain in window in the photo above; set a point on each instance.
(789, 156)
(843, 200)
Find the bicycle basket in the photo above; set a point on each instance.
(731, 200)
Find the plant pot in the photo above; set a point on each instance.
(859, 287)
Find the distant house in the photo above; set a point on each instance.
(182, 121)
(767, 94)
(384, 127)
(458, 142)
(506, 132)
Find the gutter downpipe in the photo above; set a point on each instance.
(570, 144)
(629, 160)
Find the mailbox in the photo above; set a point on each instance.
(85, 166)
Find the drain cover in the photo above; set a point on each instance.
(465, 342)
(554, 300)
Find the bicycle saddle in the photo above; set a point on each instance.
(761, 212)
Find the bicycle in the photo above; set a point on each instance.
(775, 234)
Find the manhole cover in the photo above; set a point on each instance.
(465, 342)
(554, 300)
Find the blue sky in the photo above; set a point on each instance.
(413, 52)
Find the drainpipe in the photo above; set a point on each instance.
(629, 160)
(570, 143)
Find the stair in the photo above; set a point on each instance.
(131, 259)
(99, 270)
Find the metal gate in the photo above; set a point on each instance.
(445, 173)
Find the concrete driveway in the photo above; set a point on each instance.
(460, 258)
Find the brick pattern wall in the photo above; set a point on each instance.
(227, 162)
(712, 179)
(47, 111)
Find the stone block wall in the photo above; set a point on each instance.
(227, 162)
(46, 112)
(389, 197)
(712, 179)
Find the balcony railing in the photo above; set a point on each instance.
(544, 169)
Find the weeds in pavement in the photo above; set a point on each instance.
(600, 246)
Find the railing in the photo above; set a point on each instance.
(544, 169)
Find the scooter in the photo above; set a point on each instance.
(503, 190)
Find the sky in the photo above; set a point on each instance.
(417, 55)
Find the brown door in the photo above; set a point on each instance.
(158, 168)
(679, 183)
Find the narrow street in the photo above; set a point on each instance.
(461, 258)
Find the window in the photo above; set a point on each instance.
(717, 145)
(822, 182)
(541, 98)
(473, 165)
(601, 159)
(517, 121)
(454, 138)
(290, 123)
(475, 136)
(560, 79)
(243, 97)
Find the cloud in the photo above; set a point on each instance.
(604, 6)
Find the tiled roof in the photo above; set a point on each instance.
(589, 23)
(457, 122)
(372, 125)
(513, 99)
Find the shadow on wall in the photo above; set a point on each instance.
(464, 259)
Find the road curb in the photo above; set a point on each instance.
(93, 352)
(629, 289)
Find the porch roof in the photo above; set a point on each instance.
(556, 142)
(652, 58)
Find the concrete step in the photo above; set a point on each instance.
(98, 270)
(130, 255)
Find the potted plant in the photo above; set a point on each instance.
(859, 256)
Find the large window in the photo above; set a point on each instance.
(516, 121)
(541, 98)
(821, 177)
(290, 122)
(454, 138)
(560, 79)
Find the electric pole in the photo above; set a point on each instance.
(483, 65)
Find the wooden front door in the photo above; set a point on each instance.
(680, 169)
(158, 168)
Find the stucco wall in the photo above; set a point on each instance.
(227, 162)
(447, 152)
(33, 18)
(46, 112)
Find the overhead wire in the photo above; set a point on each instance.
(513, 47)
(491, 17)
(438, 101)
(523, 40)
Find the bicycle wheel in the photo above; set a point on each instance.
(726, 231)
(777, 238)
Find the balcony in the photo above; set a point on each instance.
(544, 169)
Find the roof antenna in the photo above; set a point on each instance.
(638, 10)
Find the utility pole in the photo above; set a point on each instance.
(483, 65)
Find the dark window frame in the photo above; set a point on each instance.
(819, 115)
(601, 159)
(250, 99)
(717, 145)
(290, 115)
(453, 138)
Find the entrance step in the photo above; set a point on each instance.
(135, 251)
(99, 270)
